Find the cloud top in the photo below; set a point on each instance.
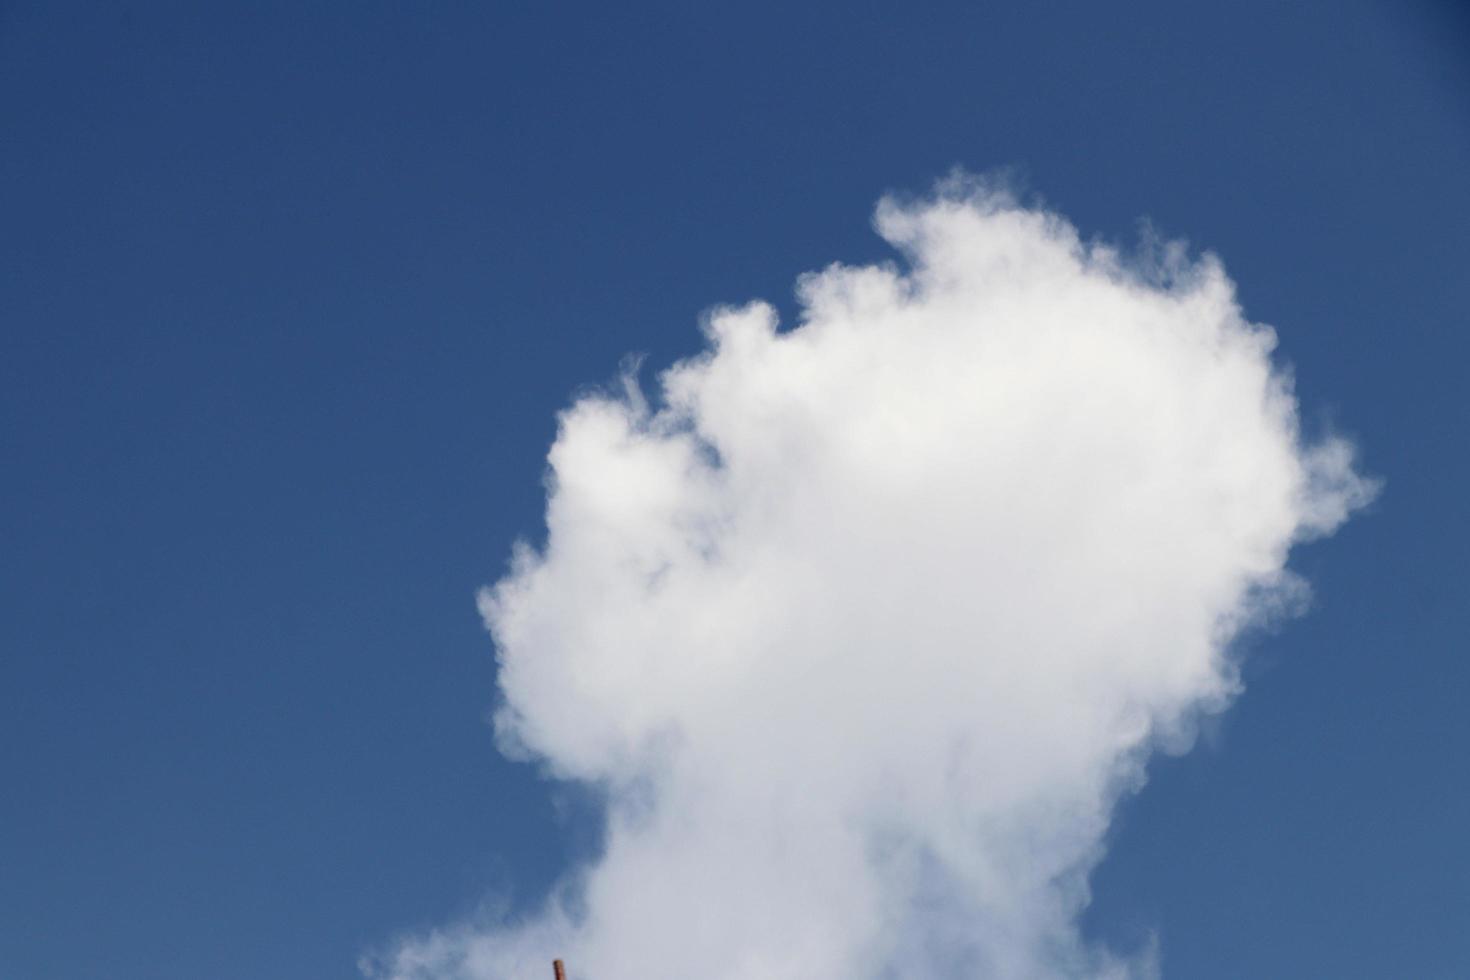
(864, 625)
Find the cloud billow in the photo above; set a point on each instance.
(864, 626)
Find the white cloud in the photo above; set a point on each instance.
(866, 624)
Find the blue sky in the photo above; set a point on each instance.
(290, 298)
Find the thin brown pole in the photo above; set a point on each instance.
(561, 971)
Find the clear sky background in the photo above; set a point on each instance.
(290, 294)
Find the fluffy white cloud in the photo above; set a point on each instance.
(865, 624)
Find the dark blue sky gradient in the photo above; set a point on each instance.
(290, 294)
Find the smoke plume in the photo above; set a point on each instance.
(862, 627)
